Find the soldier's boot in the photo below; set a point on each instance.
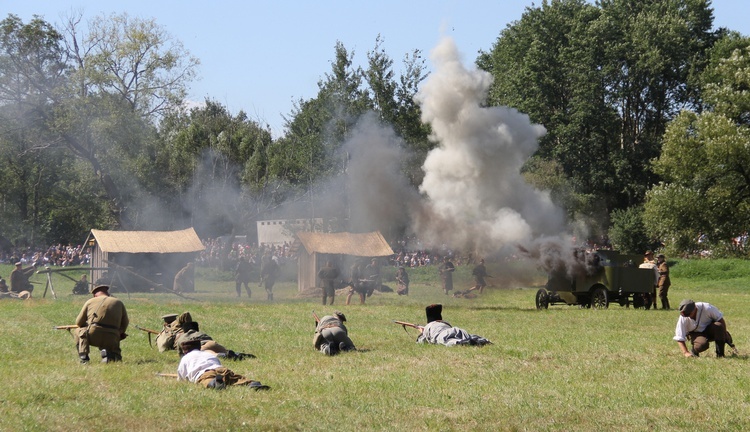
(248, 291)
(217, 383)
(325, 349)
(84, 357)
(270, 296)
(256, 385)
(332, 297)
(720, 349)
(665, 304)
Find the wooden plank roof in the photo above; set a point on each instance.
(182, 241)
(370, 244)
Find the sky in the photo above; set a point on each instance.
(261, 56)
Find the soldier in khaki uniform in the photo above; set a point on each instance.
(184, 280)
(103, 321)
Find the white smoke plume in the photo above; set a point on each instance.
(476, 196)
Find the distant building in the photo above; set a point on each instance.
(276, 232)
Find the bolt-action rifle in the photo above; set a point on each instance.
(405, 324)
(149, 332)
(317, 320)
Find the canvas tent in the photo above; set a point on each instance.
(315, 245)
(154, 255)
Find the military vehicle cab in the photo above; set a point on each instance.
(598, 278)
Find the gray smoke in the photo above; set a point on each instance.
(379, 193)
(476, 196)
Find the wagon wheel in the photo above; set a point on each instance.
(600, 298)
(542, 300)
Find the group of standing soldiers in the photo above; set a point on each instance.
(269, 272)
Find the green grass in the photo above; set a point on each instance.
(560, 369)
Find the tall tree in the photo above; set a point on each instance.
(213, 168)
(98, 94)
(604, 80)
(705, 158)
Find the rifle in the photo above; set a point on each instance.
(317, 320)
(405, 324)
(67, 327)
(149, 332)
(166, 375)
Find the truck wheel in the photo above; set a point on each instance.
(542, 300)
(600, 298)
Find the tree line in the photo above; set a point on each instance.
(645, 106)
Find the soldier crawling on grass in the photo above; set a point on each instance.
(203, 367)
(331, 335)
(174, 327)
(441, 332)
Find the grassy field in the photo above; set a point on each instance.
(560, 369)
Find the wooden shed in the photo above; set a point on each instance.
(316, 246)
(154, 255)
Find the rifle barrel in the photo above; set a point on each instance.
(65, 327)
(147, 330)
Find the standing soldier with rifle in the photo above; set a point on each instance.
(242, 276)
(328, 276)
(269, 271)
(102, 323)
(446, 270)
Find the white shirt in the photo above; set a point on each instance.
(705, 315)
(195, 363)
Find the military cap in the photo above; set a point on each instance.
(169, 318)
(686, 307)
(434, 312)
(661, 256)
(648, 252)
(95, 288)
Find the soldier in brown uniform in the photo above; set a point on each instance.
(103, 321)
(328, 276)
(664, 283)
(184, 280)
(19, 278)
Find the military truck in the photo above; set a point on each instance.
(604, 276)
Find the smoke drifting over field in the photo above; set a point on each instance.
(475, 195)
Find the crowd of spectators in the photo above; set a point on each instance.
(55, 255)
(215, 252)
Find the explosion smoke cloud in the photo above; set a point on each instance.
(472, 178)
